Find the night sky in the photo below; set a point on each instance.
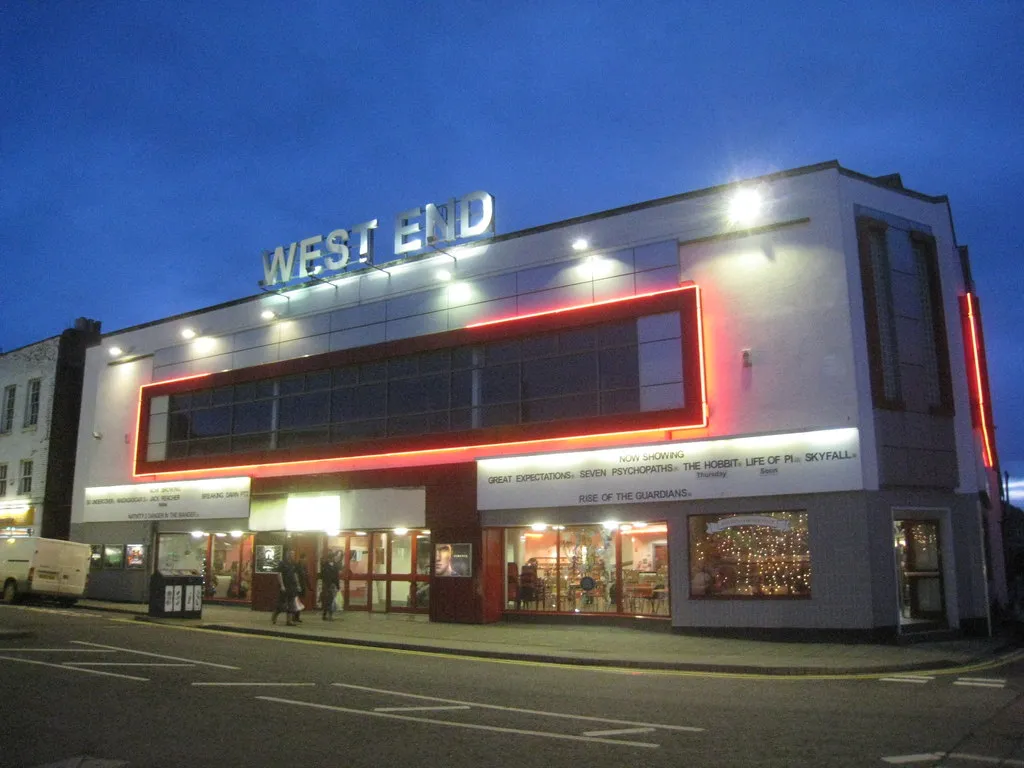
(149, 152)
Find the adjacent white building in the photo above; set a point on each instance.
(39, 400)
(761, 406)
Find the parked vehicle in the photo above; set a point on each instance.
(45, 567)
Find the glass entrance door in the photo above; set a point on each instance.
(919, 566)
(384, 570)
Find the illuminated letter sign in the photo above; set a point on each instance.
(472, 216)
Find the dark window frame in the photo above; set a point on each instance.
(683, 299)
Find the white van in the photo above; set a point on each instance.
(49, 567)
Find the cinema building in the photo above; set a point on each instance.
(760, 406)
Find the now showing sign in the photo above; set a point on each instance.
(186, 500)
(771, 465)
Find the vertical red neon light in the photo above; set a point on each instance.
(979, 379)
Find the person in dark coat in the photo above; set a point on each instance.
(330, 578)
(302, 583)
(286, 586)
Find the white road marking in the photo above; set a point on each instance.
(154, 655)
(73, 669)
(979, 684)
(126, 664)
(281, 685)
(470, 726)
(53, 650)
(986, 759)
(421, 709)
(920, 680)
(566, 716)
(984, 679)
(619, 732)
(930, 757)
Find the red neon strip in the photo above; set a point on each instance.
(138, 416)
(423, 452)
(976, 353)
(574, 307)
(700, 354)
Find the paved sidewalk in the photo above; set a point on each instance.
(593, 645)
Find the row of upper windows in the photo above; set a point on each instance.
(31, 412)
(24, 478)
(611, 368)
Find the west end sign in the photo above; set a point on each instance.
(468, 217)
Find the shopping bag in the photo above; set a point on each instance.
(297, 605)
(339, 602)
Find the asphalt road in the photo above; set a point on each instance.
(91, 683)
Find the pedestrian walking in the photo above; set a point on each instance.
(286, 587)
(302, 586)
(330, 577)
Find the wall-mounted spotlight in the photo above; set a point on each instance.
(268, 314)
(745, 207)
(580, 244)
(115, 351)
(443, 274)
(188, 333)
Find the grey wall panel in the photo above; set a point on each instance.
(354, 317)
(655, 255)
(460, 317)
(657, 279)
(357, 337)
(555, 298)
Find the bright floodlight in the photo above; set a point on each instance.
(115, 351)
(188, 333)
(579, 244)
(268, 314)
(745, 207)
(443, 274)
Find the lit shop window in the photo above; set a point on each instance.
(763, 555)
(601, 568)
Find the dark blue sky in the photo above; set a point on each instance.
(150, 151)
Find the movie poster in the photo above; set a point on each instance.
(453, 560)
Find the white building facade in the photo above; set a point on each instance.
(771, 417)
(39, 401)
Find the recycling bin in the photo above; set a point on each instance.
(176, 594)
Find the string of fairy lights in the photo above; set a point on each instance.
(754, 560)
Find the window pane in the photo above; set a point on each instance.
(403, 367)
(202, 399)
(462, 389)
(252, 417)
(619, 334)
(565, 407)
(540, 346)
(501, 352)
(417, 395)
(358, 430)
(293, 384)
(401, 554)
(560, 375)
(435, 362)
(577, 340)
(587, 568)
(498, 415)
(462, 358)
(299, 437)
(418, 424)
(762, 555)
(460, 419)
(304, 410)
(620, 368)
(620, 401)
(245, 392)
(370, 372)
(266, 388)
(178, 426)
(356, 403)
(531, 569)
(499, 384)
(209, 446)
(247, 443)
(180, 402)
(346, 376)
(318, 380)
(209, 422)
(645, 585)
(223, 395)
